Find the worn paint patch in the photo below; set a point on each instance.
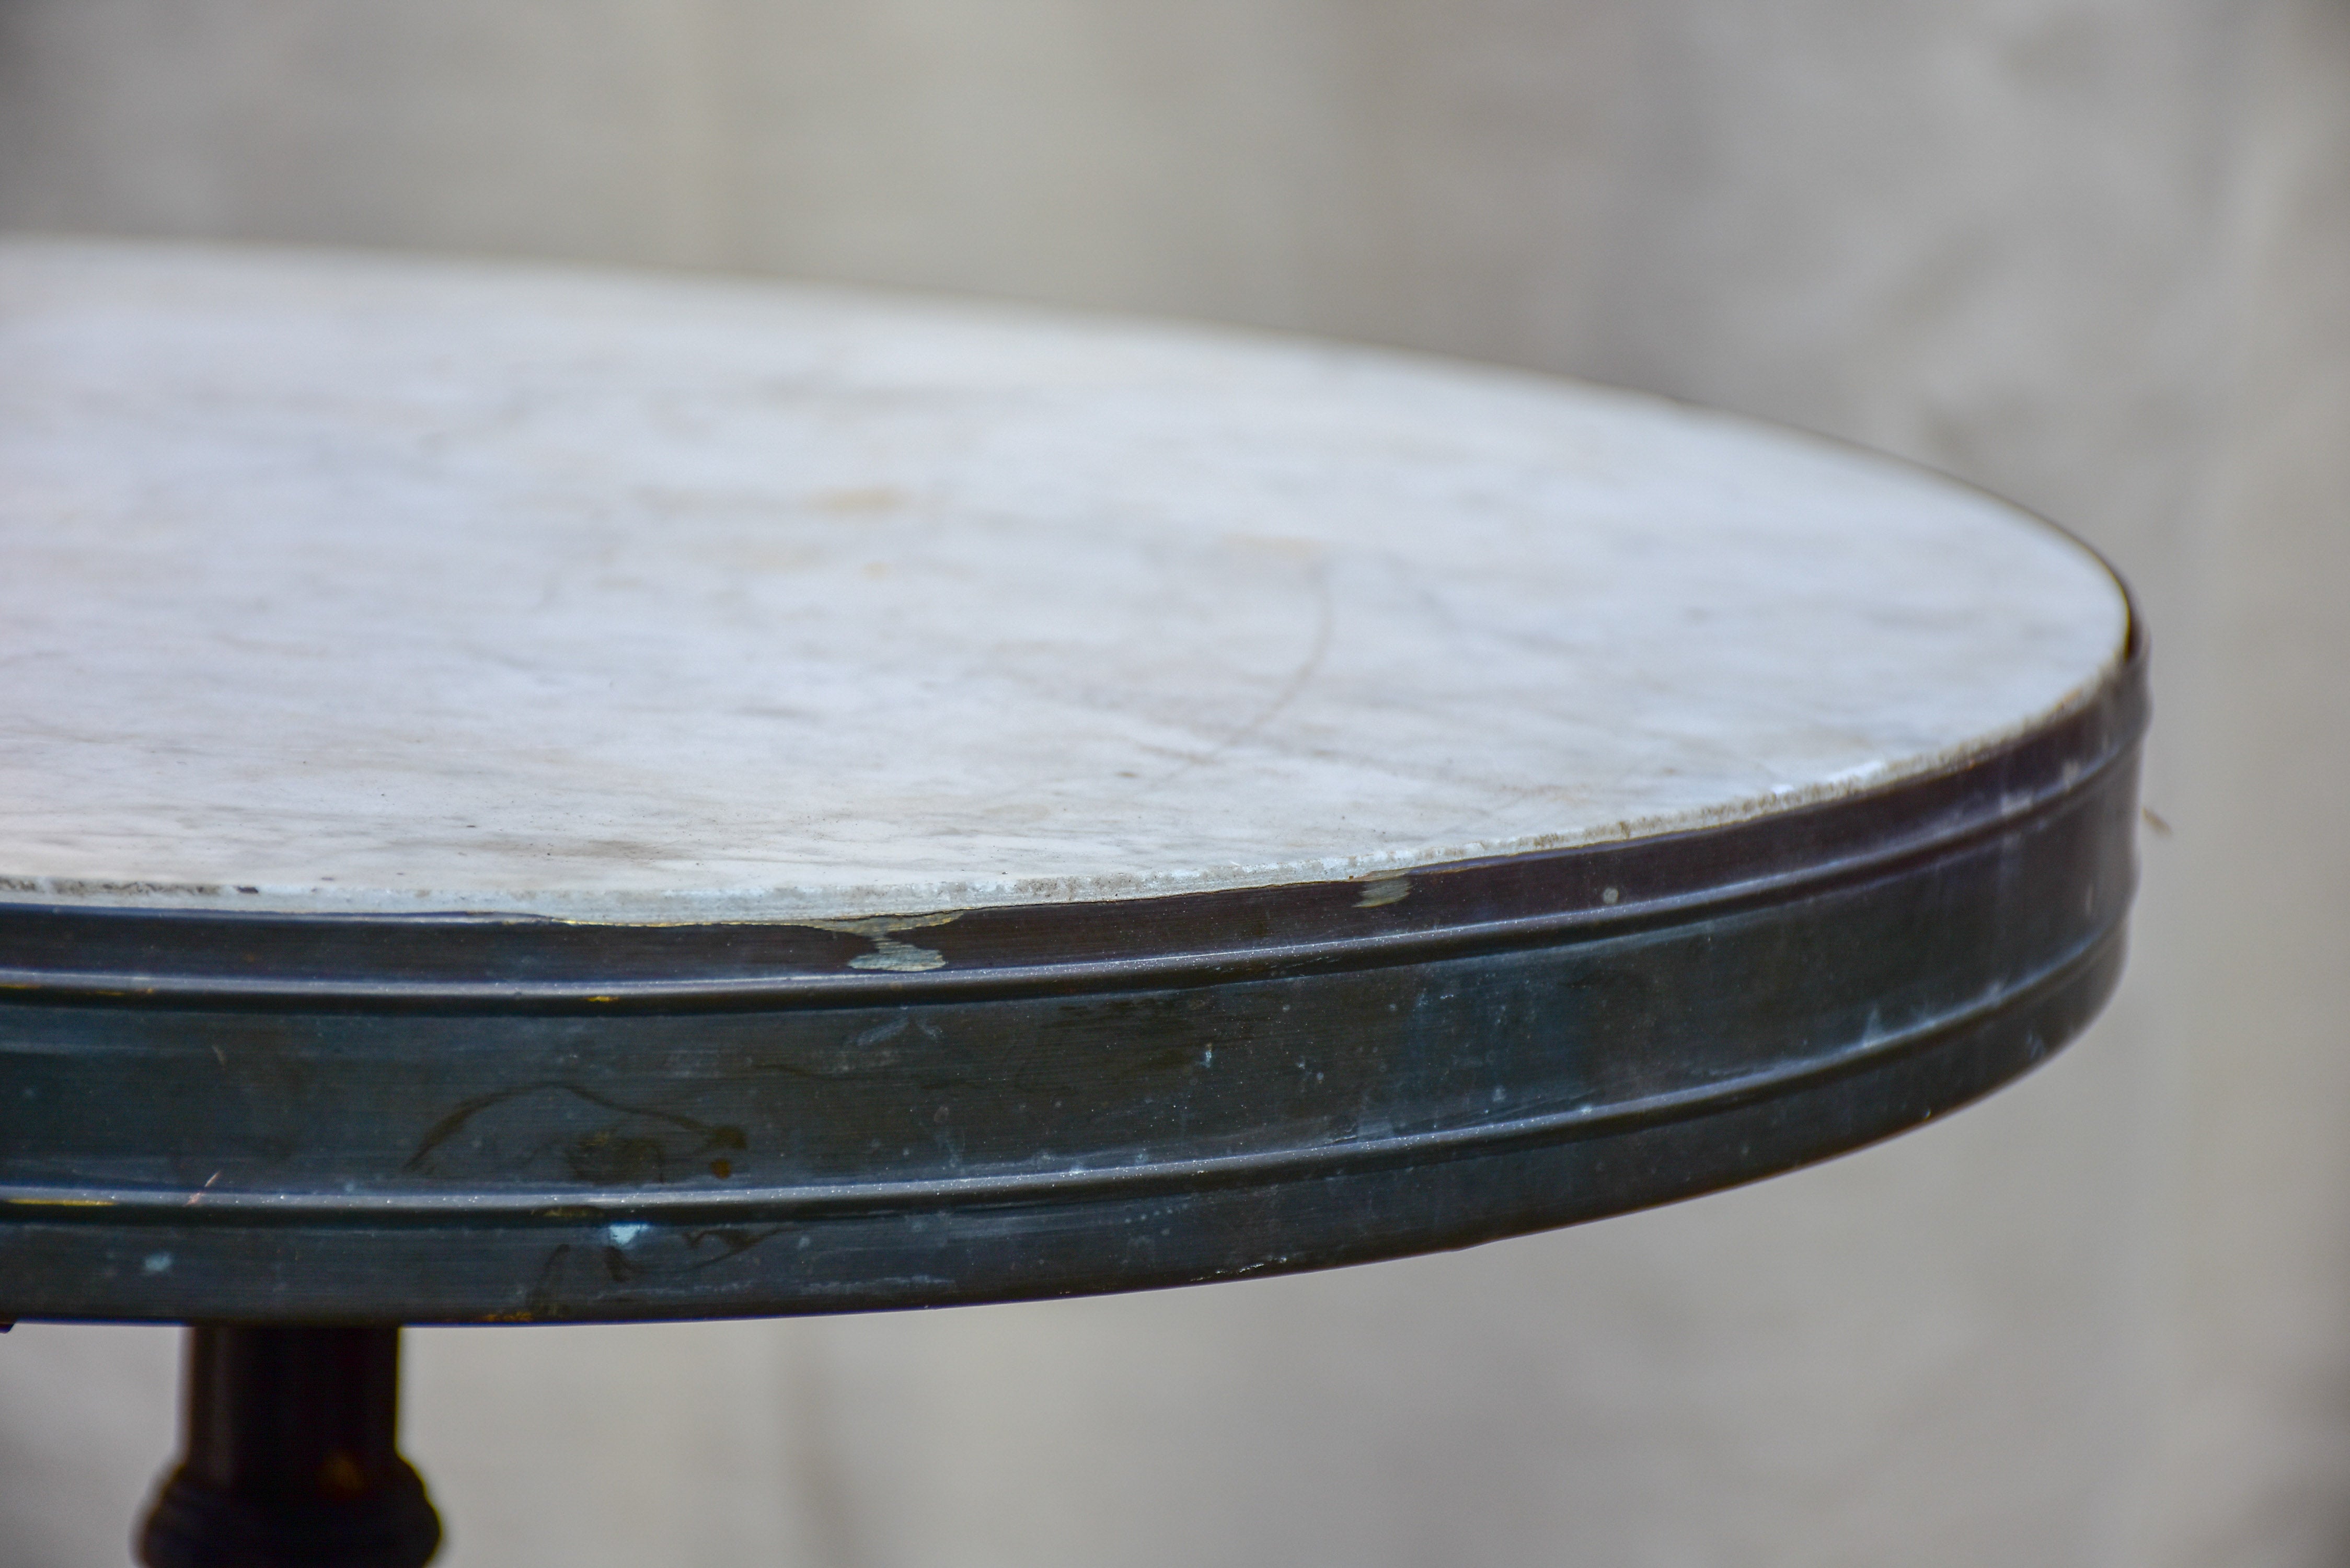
(890, 953)
(1386, 890)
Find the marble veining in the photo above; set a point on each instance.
(344, 584)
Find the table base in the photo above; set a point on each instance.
(291, 1459)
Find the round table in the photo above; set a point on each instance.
(537, 795)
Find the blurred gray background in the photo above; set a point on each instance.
(2094, 254)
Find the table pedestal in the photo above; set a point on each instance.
(291, 1459)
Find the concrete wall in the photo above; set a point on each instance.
(2092, 253)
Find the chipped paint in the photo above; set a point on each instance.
(890, 953)
(1386, 890)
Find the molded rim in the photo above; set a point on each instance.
(466, 1119)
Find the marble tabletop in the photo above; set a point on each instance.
(346, 584)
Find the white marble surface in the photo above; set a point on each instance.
(340, 583)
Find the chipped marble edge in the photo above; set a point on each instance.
(908, 904)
